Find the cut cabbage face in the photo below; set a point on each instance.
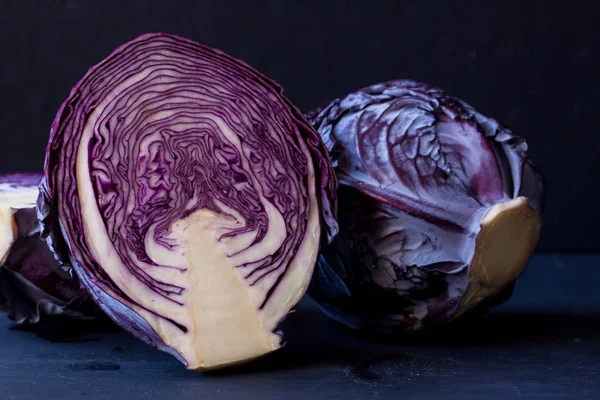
(191, 196)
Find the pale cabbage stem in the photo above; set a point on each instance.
(509, 233)
(10, 201)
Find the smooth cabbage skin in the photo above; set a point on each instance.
(34, 289)
(190, 197)
(439, 208)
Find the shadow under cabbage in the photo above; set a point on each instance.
(315, 341)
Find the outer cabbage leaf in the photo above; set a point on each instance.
(190, 196)
(439, 213)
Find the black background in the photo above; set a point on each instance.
(533, 65)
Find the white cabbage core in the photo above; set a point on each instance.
(12, 198)
(509, 233)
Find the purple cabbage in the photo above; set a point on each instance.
(189, 196)
(34, 288)
(439, 208)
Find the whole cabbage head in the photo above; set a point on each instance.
(440, 208)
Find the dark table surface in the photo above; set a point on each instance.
(544, 344)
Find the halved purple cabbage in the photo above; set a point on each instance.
(439, 208)
(190, 197)
(33, 286)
